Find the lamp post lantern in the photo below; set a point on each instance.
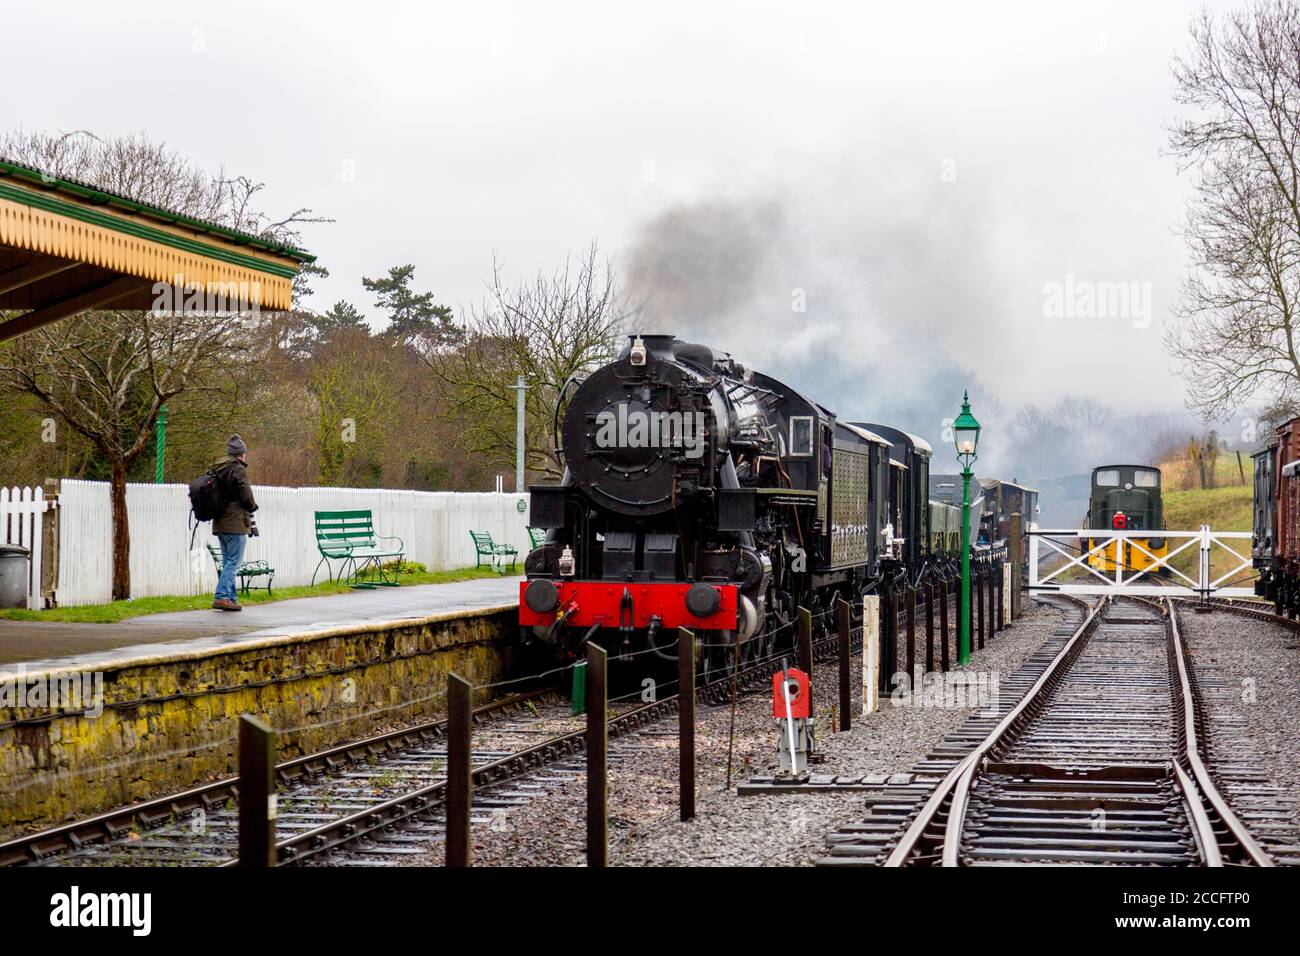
(966, 436)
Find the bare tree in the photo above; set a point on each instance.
(547, 329)
(153, 173)
(1239, 309)
(1066, 437)
(106, 374)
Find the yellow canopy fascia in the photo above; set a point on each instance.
(64, 244)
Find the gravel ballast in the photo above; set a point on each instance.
(644, 830)
(1249, 672)
(791, 829)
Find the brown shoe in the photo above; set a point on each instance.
(223, 605)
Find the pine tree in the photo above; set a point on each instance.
(414, 318)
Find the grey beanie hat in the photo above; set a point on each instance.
(236, 446)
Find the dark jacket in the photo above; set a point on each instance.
(238, 492)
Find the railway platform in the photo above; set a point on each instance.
(39, 645)
(161, 694)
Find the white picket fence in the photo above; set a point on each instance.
(434, 526)
(21, 514)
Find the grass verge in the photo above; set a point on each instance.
(1223, 509)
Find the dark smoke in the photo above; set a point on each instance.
(904, 304)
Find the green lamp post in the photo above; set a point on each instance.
(966, 436)
(160, 444)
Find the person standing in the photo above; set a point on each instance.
(235, 523)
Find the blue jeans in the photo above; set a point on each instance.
(232, 555)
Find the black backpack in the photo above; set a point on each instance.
(207, 500)
(207, 496)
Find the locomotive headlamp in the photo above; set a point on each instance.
(637, 355)
(966, 433)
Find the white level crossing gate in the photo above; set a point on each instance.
(1083, 562)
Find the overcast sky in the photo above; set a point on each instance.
(917, 173)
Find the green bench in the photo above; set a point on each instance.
(484, 547)
(247, 572)
(349, 537)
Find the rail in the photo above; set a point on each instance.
(937, 831)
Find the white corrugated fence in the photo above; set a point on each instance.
(434, 526)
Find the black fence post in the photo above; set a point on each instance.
(1016, 553)
(460, 783)
(888, 637)
(257, 796)
(909, 596)
(1004, 599)
(686, 721)
(929, 626)
(597, 757)
(943, 623)
(978, 585)
(805, 641)
(843, 624)
(992, 604)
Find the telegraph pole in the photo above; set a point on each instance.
(519, 388)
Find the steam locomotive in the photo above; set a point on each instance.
(699, 493)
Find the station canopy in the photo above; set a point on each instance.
(66, 247)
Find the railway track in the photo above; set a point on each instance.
(198, 825)
(1098, 755)
(380, 796)
(1246, 607)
